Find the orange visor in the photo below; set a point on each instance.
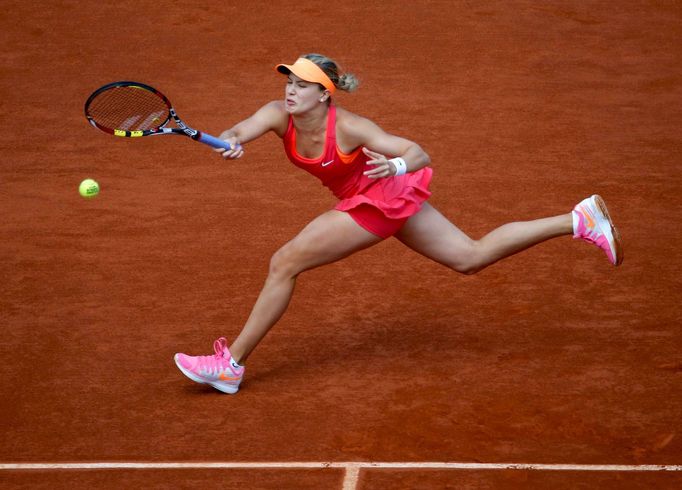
(308, 71)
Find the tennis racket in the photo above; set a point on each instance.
(133, 109)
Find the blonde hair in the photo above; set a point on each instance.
(346, 82)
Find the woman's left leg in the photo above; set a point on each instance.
(434, 236)
(330, 237)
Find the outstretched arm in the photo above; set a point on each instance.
(270, 117)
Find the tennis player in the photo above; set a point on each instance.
(382, 183)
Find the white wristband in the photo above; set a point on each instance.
(400, 166)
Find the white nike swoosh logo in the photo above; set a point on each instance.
(327, 163)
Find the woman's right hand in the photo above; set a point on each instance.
(236, 150)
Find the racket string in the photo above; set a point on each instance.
(129, 108)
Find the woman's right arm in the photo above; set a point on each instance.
(270, 117)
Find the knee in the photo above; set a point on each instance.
(283, 263)
(469, 270)
(469, 262)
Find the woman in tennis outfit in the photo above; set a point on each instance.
(382, 183)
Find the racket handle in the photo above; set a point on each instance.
(209, 140)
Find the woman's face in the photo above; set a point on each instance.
(301, 96)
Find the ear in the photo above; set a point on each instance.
(325, 95)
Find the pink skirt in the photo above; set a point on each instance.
(383, 206)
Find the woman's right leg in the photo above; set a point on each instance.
(328, 238)
(434, 236)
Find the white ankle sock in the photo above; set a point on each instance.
(576, 222)
(235, 364)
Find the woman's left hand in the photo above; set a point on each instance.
(382, 167)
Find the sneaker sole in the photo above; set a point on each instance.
(616, 241)
(231, 390)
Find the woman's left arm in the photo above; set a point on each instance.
(389, 154)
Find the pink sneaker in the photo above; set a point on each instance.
(220, 370)
(592, 223)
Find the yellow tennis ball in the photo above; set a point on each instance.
(88, 188)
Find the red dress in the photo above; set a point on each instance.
(381, 206)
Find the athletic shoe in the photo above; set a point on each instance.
(220, 370)
(592, 223)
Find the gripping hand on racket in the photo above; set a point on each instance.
(233, 149)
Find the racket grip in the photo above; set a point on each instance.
(209, 140)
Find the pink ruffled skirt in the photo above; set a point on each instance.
(382, 206)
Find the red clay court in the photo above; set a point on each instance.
(550, 370)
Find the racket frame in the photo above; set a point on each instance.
(181, 129)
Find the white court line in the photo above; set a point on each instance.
(350, 479)
(352, 469)
(344, 465)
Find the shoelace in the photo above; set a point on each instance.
(591, 238)
(213, 364)
(220, 348)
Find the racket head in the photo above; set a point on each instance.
(128, 109)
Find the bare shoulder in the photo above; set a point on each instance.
(275, 106)
(276, 116)
(348, 119)
(274, 109)
(353, 130)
